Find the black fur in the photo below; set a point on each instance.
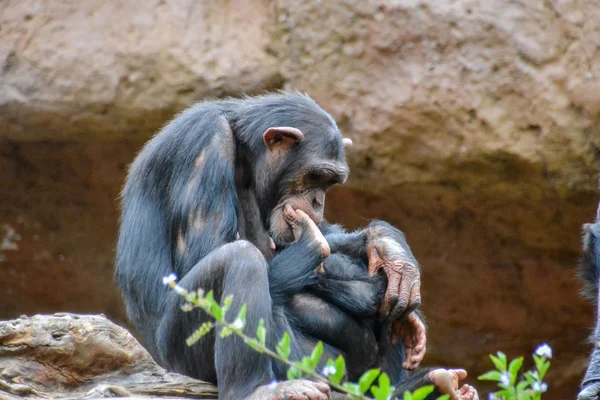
(590, 273)
(202, 180)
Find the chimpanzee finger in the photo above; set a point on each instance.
(391, 298)
(297, 220)
(406, 302)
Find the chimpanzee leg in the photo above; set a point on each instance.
(445, 381)
(236, 269)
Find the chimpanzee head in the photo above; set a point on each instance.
(303, 155)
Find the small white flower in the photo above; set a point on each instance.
(492, 396)
(540, 387)
(239, 324)
(329, 370)
(169, 279)
(544, 350)
(271, 386)
(505, 379)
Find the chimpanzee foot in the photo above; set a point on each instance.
(590, 392)
(468, 392)
(293, 390)
(303, 226)
(446, 381)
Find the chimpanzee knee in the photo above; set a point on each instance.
(237, 269)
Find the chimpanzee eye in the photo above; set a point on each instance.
(314, 177)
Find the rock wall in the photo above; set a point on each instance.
(475, 127)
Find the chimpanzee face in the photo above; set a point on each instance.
(308, 166)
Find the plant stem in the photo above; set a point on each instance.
(276, 356)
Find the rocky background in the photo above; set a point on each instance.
(475, 126)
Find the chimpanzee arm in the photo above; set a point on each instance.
(590, 273)
(293, 269)
(382, 247)
(353, 244)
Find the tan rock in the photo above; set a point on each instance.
(475, 126)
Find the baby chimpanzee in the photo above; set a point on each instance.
(340, 307)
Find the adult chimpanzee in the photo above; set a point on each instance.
(590, 273)
(226, 170)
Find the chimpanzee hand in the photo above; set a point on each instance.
(411, 330)
(305, 229)
(403, 293)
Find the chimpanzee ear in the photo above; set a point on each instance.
(282, 137)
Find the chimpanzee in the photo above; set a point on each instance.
(223, 171)
(340, 308)
(590, 273)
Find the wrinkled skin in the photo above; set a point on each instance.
(293, 390)
(403, 294)
(446, 381)
(412, 332)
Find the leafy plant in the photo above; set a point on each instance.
(530, 386)
(373, 380)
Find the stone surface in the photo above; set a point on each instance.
(475, 127)
(83, 356)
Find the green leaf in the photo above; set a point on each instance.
(544, 369)
(384, 391)
(242, 313)
(513, 369)
(216, 311)
(422, 392)
(502, 357)
(226, 304)
(261, 332)
(352, 388)
(521, 386)
(209, 298)
(384, 381)
(407, 396)
(379, 395)
(539, 361)
(498, 363)
(340, 365)
(283, 347)
(294, 373)
(490, 376)
(506, 394)
(530, 377)
(367, 379)
(315, 356)
(444, 397)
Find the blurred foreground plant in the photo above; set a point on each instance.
(332, 373)
(530, 386)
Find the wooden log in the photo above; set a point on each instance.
(83, 356)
